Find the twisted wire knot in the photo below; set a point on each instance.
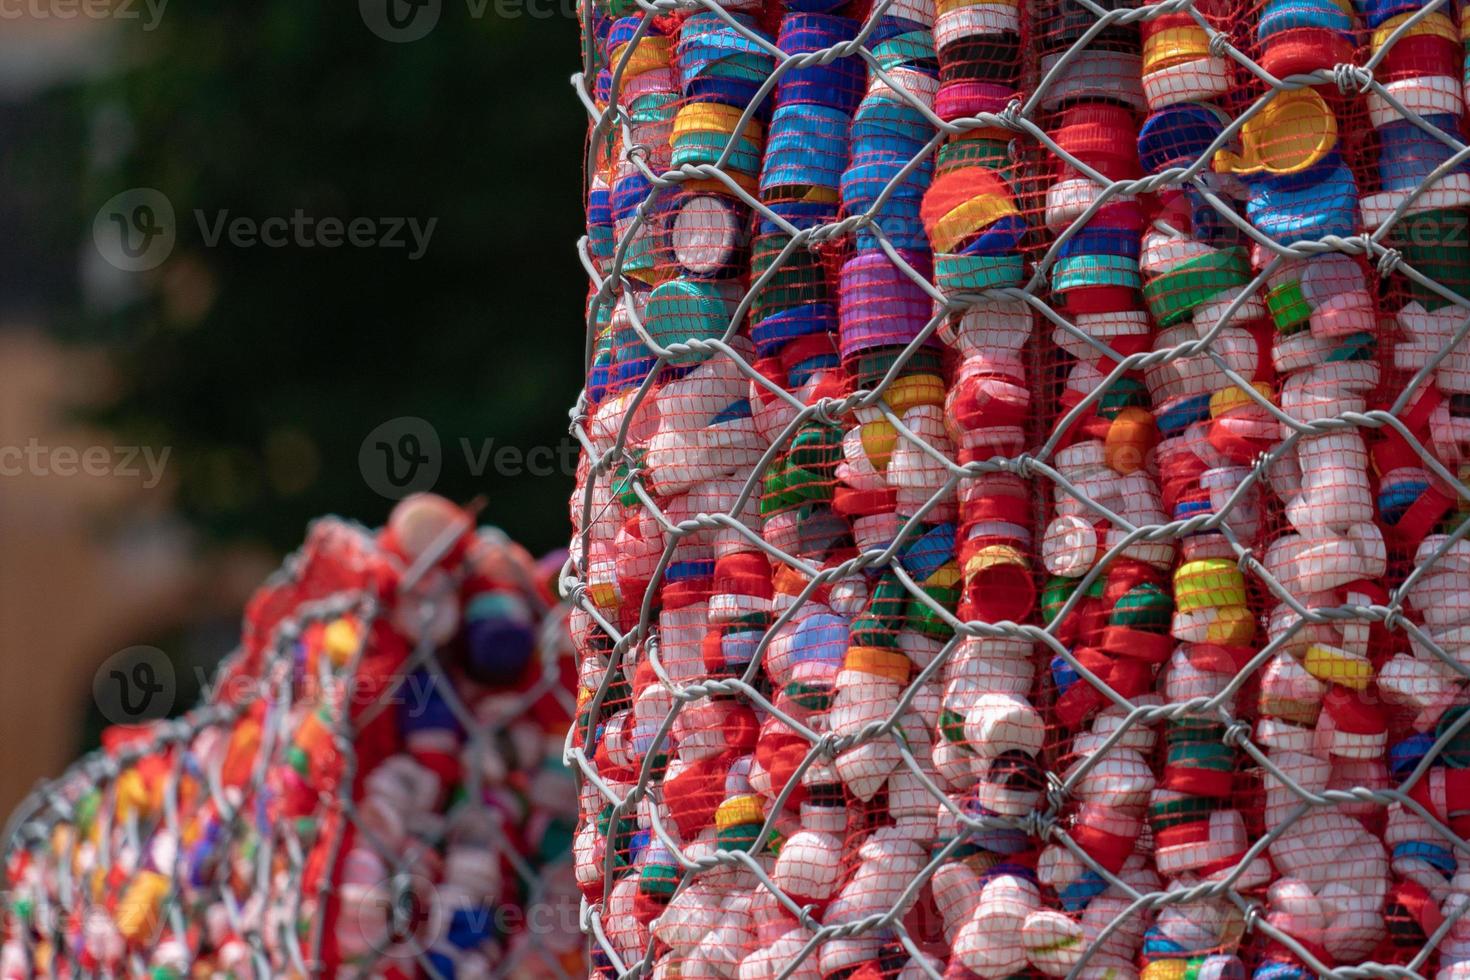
(1246, 560)
(1389, 261)
(1349, 76)
(1010, 116)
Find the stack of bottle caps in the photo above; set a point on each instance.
(1064, 572)
(374, 786)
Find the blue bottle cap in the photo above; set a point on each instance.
(928, 552)
(621, 31)
(1394, 500)
(801, 214)
(1321, 200)
(1437, 856)
(999, 238)
(820, 638)
(1063, 674)
(1377, 12)
(1407, 155)
(737, 647)
(889, 124)
(1284, 15)
(903, 233)
(1178, 135)
(627, 193)
(684, 309)
(1276, 970)
(1102, 241)
(838, 84)
(1079, 894)
(1174, 418)
(775, 331)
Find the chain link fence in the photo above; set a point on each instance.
(1020, 528)
(373, 786)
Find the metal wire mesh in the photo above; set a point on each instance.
(977, 392)
(372, 787)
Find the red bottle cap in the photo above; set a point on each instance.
(1153, 648)
(744, 573)
(1097, 299)
(864, 503)
(1419, 55)
(1416, 414)
(1352, 712)
(1184, 778)
(1109, 850)
(693, 795)
(677, 595)
(1302, 50)
(1005, 508)
(1102, 135)
(1421, 516)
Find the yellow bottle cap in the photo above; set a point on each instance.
(1231, 398)
(714, 117)
(878, 440)
(1435, 23)
(978, 212)
(137, 911)
(993, 555)
(738, 810)
(888, 664)
(1174, 46)
(947, 577)
(915, 389)
(1333, 665)
(651, 53)
(1165, 970)
(1233, 626)
(341, 640)
(1208, 582)
(1293, 131)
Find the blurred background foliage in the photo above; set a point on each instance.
(263, 370)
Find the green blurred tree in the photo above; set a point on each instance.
(264, 369)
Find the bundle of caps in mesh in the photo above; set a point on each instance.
(1020, 528)
(374, 786)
